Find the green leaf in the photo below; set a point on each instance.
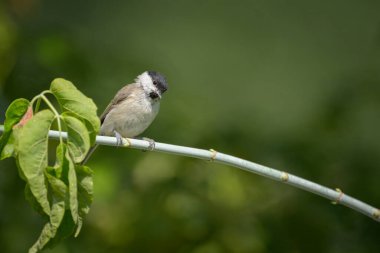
(44, 238)
(59, 163)
(66, 168)
(13, 115)
(72, 100)
(73, 190)
(9, 148)
(92, 132)
(78, 139)
(58, 203)
(32, 200)
(32, 155)
(57, 193)
(65, 229)
(58, 226)
(61, 222)
(85, 193)
(58, 187)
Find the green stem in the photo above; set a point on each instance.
(37, 105)
(35, 98)
(57, 115)
(38, 98)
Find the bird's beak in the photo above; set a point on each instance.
(159, 93)
(155, 95)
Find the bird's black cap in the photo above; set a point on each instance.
(159, 81)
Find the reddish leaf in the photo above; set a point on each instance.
(27, 116)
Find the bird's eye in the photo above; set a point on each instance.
(155, 82)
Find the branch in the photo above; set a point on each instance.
(336, 196)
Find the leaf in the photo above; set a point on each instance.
(59, 163)
(72, 100)
(65, 169)
(73, 190)
(92, 132)
(32, 155)
(85, 193)
(9, 148)
(65, 229)
(58, 187)
(43, 240)
(58, 226)
(61, 222)
(32, 200)
(78, 139)
(58, 202)
(27, 116)
(13, 115)
(58, 195)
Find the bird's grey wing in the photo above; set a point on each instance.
(120, 96)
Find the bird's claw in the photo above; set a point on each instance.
(119, 139)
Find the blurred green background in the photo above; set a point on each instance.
(293, 85)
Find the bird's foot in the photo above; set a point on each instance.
(119, 139)
(152, 143)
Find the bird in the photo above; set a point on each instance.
(133, 109)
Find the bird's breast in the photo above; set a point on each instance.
(131, 117)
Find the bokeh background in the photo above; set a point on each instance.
(294, 85)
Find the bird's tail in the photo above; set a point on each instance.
(92, 149)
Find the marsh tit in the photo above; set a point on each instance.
(133, 108)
